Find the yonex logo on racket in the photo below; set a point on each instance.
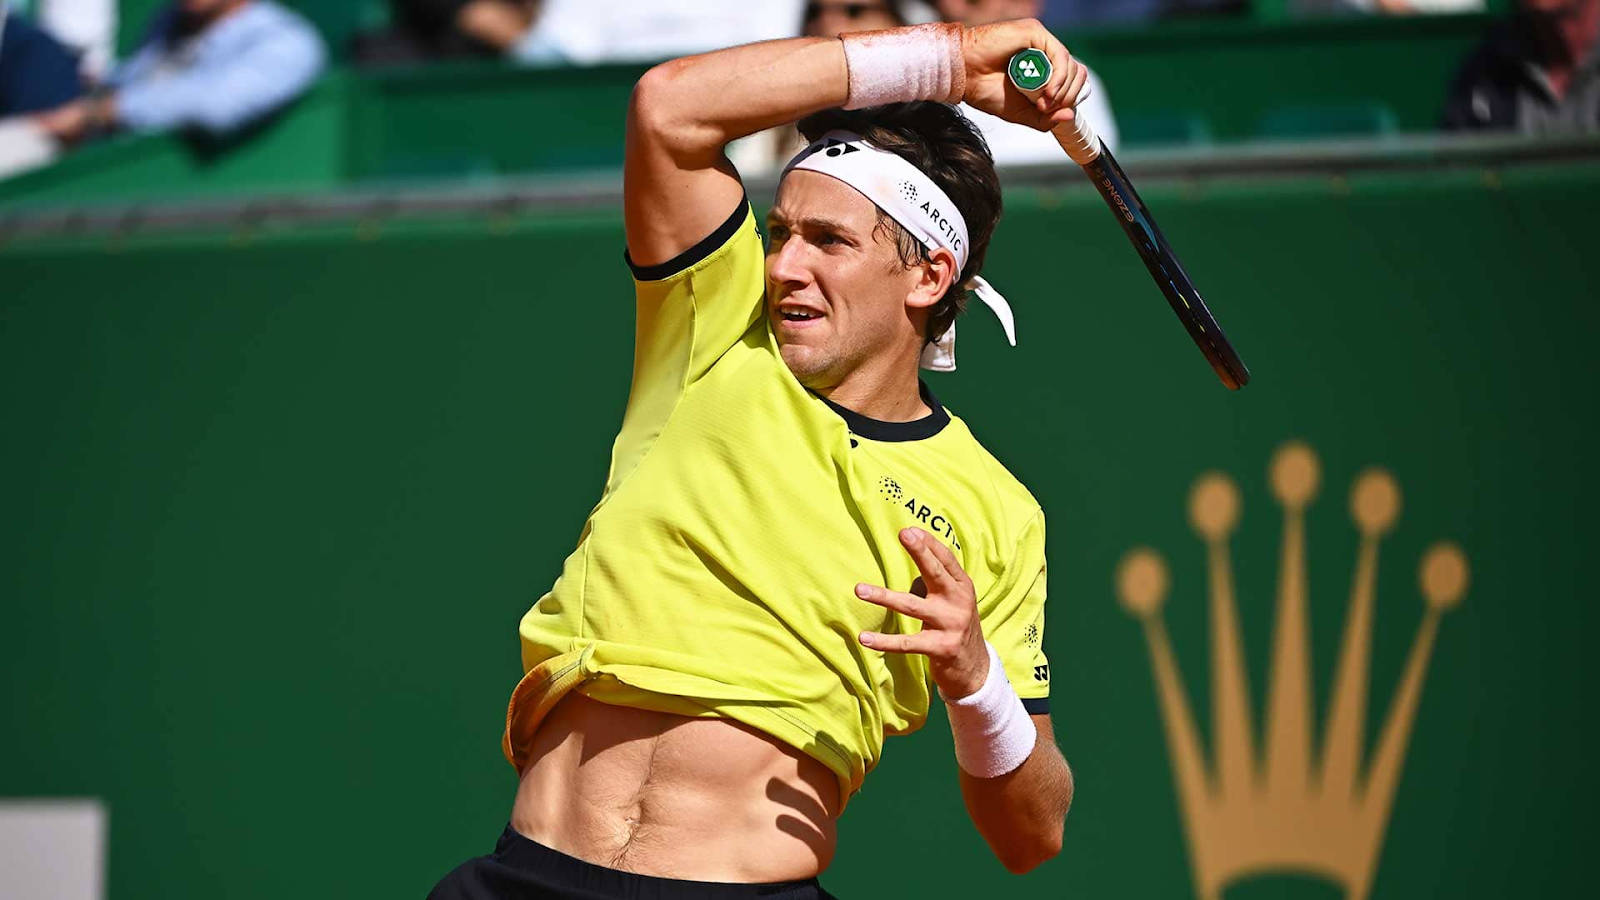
(1030, 69)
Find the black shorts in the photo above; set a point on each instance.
(523, 869)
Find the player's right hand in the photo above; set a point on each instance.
(987, 51)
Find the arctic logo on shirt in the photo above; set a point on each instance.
(929, 518)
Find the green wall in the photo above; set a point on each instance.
(274, 502)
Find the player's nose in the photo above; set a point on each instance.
(788, 265)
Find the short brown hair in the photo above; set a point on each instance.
(940, 141)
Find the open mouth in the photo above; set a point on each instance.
(795, 316)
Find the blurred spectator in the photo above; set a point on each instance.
(442, 29)
(215, 66)
(1385, 7)
(574, 32)
(1537, 72)
(1057, 13)
(36, 70)
(586, 32)
(831, 18)
(1011, 143)
(88, 27)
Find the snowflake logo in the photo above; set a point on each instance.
(908, 191)
(889, 488)
(1032, 635)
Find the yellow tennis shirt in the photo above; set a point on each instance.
(716, 576)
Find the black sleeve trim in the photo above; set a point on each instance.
(694, 254)
(1036, 706)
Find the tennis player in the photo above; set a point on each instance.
(797, 544)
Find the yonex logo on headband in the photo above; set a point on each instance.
(838, 148)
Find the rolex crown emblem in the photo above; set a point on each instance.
(1287, 806)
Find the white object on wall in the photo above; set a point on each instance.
(53, 848)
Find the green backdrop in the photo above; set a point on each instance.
(274, 502)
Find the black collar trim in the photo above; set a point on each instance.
(879, 430)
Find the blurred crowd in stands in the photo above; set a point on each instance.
(209, 67)
(214, 69)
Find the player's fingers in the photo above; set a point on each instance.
(910, 604)
(897, 643)
(952, 566)
(1080, 85)
(1075, 89)
(1061, 65)
(1060, 92)
(920, 545)
(1066, 112)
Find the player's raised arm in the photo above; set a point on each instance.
(678, 185)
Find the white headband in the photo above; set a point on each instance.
(911, 198)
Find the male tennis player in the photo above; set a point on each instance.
(795, 536)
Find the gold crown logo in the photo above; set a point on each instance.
(1255, 813)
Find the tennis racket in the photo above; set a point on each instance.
(1029, 70)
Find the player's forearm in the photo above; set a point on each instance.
(1021, 814)
(697, 104)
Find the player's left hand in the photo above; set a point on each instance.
(951, 635)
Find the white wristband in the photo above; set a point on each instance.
(922, 62)
(992, 730)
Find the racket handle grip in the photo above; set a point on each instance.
(1029, 70)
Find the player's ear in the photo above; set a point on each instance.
(933, 279)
